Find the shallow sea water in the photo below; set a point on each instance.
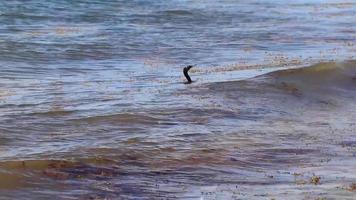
(93, 105)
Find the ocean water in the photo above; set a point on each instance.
(93, 103)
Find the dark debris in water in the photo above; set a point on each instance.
(64, 170)
(348, 143)
(315, 180)
(291, 88)
(352, 187)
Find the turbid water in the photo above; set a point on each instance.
(93, 105)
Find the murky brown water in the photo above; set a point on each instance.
(93, 105)
(272, 136)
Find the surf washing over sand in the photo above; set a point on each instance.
(93, 105)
